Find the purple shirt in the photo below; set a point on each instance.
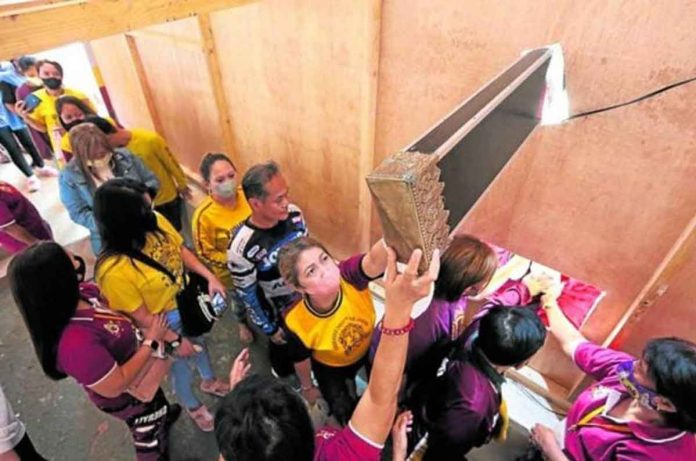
(346, 444)
(429, 341)
(644, 442)
(95, 342)
(15, 208)
(461, 412)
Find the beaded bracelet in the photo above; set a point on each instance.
(397, 331)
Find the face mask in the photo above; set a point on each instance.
(646, 397)
(226, 189)
(102, 162)
(73, 124)
(81, 268)
(52, 83)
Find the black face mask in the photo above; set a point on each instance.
(52, 83)
(73, 124)
(81, 268)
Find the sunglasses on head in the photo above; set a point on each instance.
(645, 396)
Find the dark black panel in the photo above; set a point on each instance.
(473, 163)
(442, 132)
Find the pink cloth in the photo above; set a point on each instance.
(333, 444)
(644, 442)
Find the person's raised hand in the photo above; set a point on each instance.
(240, 368)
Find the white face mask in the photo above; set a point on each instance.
(101, 163)
(226, 189)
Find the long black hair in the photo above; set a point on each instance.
(46, 290)
(671, 364)
(123, 216)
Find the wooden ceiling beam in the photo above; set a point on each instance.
(28, 30)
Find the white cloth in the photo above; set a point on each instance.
(11, 429)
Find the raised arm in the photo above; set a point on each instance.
(374, 415)
(375, 261)
(559, 325)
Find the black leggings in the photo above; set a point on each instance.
(8, 141)
(337, 386)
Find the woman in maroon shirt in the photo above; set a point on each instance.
(75, 334)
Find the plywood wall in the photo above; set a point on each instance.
(297, 81)
(121, 79)
(602, 199)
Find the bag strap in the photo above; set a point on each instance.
(145, 259)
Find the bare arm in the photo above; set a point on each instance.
(20, 233)
(375, 261)
(559, 325)
(192, 263)
(120, 377)
(374, 415)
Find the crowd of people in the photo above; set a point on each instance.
(434, 384)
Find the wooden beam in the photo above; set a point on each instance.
(368, 116)
(180, 42)
(211, 57)
(657, 286)
(28, 30)
(142, 79)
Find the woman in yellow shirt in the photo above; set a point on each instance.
(222, 210)
(44, 117)
(331, 326)
(129, 229)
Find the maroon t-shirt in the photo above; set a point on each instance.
(331, 444)
(94, 342)
(16, 208)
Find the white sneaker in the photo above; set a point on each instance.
(34, 183)
(47, 171)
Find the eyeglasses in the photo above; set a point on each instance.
(644, 395)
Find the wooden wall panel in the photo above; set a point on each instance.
(295, 79)
(180, 84)
(671, 315)
(121, 81)
(601, 199)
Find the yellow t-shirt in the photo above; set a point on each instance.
(211, 225)
(128, 284)
(152, 149)
(340, 337)
(46, 113)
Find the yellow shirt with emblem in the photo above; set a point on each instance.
(128, 284)
(340, 337)
(211, 225)
(152, 149)
(45, 113)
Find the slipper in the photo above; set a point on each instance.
(215, 387)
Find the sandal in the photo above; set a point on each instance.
(202, 417)
(215, 387)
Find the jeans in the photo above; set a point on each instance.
(181, 373)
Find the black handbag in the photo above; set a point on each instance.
(196, 310)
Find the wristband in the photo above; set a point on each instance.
(303, 388)
(397, 331)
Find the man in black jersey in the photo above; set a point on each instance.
(253, 252)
